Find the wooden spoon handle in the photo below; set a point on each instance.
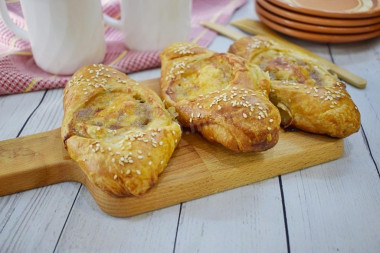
(221, 29)
(256, 27)
(34, 161)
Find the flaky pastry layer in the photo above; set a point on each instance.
(307, 95)
(219, 96)
(117, 130)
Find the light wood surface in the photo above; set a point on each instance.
(332, 207)
(256, 27)
(197, 168)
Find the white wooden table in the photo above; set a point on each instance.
(332, 207)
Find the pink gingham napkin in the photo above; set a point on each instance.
(19, 73)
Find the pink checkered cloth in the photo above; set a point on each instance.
(19, 73)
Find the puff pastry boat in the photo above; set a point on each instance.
(218, 95)
(307, 95)
(117, 130)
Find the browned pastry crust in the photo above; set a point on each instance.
(307, 95)
(117, 130)
(218, 95)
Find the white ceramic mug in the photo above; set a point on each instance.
(153, 24)
(64, 34)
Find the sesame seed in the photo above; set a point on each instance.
(128, 171)
(140, 157)
(269, 128)
(270, 120)
(245, 115)
(162, 162)
(161, 143)
(113, 159)
(139, 151)
(114, 177)
(150, 162)
(138, 172)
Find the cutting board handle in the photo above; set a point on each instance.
(34, 161)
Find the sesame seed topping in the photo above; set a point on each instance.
(138, 172)
(245, 115)
(150, 162)
(114, 177)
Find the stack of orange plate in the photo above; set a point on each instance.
(322, 20)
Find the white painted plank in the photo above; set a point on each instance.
(335, 206)
(88, 229)
(246, 219)
(14, 111)
(364, 60)
(32, 221)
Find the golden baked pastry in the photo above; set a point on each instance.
(219, 96)
(307, 95)
(117, 130)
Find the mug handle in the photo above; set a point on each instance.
(111, 21)
(9, 23)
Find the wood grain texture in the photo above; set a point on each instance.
(364, 58)
(234, 221)
(15, 110)
(32, 221)
(323, 204)
(88, 229)
(335, 206)
(197, 168)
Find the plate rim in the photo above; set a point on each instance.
(317, 28)
(317, 20)
(321, 13)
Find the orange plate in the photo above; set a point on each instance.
(317, 20)
(315, 28)
(334, 9)
(318, 37)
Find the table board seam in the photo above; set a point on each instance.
(31, 114)
(67, 218)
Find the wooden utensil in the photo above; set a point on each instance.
(198, 168)
(256, 27)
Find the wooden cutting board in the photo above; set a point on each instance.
(198, 168)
